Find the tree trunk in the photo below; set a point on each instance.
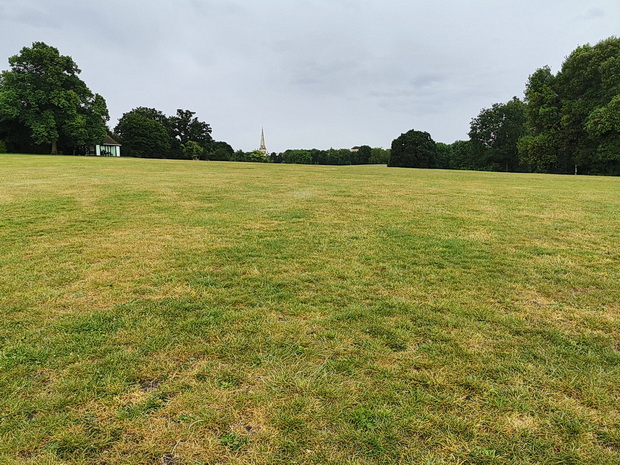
(54, 147)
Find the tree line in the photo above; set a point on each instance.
(149, 133)
(363, 155)
(568, 122)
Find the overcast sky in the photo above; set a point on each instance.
(313, 73)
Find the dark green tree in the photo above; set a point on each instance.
(338, 157)
(494, 135)
(181, 129)
(571, 116)
(588, 85)
(219, 150)
(461, 155)
(540, 147)
(17, 137)
(361, 156)
(297, 156)
(192, 150)
(444, 156)
(185, 127)
(142, 136)
(43, 91)
(255, 156)
(319, 157)
(238, 155)
(379, 156)
(154, 114)
(603, 126)
(413, 149)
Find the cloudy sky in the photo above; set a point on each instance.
(313, 73)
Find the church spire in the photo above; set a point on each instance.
(263, 147)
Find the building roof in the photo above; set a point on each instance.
(107, 140)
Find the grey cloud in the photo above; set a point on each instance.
(314, 72)
(306, 81)
(595, 13)
(333, 76)
(427, 80)
(218, 7)
(393, 93)
(26, 14)
(349, 4)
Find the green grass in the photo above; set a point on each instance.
(200, 313)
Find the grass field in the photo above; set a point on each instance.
(176, 313)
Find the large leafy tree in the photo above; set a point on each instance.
(444, 156)
(144, 133)
(185, 127)
(18, 137)
(603, 126)
(220, 151)
(460, 155)
(413, 149)
(589, 86)
(494, 135)
(179, 131)
(573, 115)
(362, 156)
(540, 147)
(43, 91)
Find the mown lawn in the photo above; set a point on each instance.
(169, 312)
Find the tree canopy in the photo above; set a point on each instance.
(220, 151)
(573, 117)
(296, 156)
(143, 134)
(413, 149)
(495, 133)
(171, 136)
(42, 91)
(361, 156)
(186, 127)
